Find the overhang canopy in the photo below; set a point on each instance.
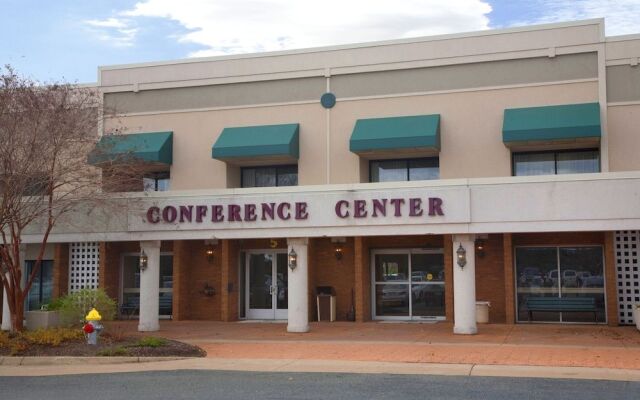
(262, 143)
(417, 133)
(152, 147)
(569, 122)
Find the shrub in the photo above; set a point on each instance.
(52, 336)
(5, 340)
(151, 341)
(75, 306)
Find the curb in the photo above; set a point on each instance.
(35, 361)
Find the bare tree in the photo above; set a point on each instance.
(46, 134)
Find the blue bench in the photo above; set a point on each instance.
(561, 304)
(132, 306)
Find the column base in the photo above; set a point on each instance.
(464, 330)
(149, 327)
(298, 329)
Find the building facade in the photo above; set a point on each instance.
(414, 177)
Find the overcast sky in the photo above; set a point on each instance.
(68, 39)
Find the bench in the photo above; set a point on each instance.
(132, 306)
(561, 304)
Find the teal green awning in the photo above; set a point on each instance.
(152, 147)
(381, 135)
(263, 142)
(551, 123)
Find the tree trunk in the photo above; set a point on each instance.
(17, 320)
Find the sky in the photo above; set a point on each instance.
(66, 40)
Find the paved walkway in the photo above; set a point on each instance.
(518, 345)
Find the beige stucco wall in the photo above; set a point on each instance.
(624, 137)
(470, 126)
(195, 132)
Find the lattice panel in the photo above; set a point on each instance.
(84, 259)
(628, 283)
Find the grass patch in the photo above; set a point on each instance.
(118, 351)
(150, 341)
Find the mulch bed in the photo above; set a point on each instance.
(126, 347)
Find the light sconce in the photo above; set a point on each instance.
(462, 256)
(210, 250)
(339, 247)
(144, 260)
(293, 259)
(480, 247)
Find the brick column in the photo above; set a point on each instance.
(60, 270)
(110, 268)
(181, 256)
(509, 289)
(362, 279)
(610, 278)
(229, 281)
(448, 277)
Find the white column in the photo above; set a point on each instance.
(464, 287)
(298, 315)
(6, 314)
(149, 288)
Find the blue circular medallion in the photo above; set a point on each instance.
(328, 100)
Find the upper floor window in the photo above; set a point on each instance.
(415, 169)
(556, 162)
(279, 175)
(156, 182)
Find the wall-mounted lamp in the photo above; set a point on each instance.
(210, 249)
(144, 260)
(462, 256)
(208, 290)
(339, 247)
(293, 259)
(480, 247)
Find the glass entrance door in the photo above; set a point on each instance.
(408, 284)
(266, 285)
(130, 297)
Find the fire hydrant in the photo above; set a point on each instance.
(93, 327)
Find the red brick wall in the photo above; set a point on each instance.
(610, 278)
(490, 285)
(509, 287)
(60, 270)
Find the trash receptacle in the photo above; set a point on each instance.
(482, 312)
(326, 303)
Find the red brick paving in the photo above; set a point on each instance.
(540, 345)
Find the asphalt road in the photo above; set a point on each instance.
(188, 384)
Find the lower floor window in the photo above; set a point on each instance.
(42, 286)
(130, 304)
(563, 273)
(408, 284)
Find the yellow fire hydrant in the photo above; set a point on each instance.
(93, 327)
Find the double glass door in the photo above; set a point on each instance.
(408, 284)
(266, 285)
(130, 303)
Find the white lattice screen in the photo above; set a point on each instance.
(83, 265)
(628, 282)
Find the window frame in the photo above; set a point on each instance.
(408, 161)
(276, 167)
(156, 176)
(555, 158)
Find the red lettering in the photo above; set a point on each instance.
(284, 211)
(339, 205)
(379, 206)
(415, 207)
(435, 206)
(169, 214)
(301, 210)
(234, 213)
(359, 209)
(153, 215)
(250, 212)
(216, 214)
(186, 213)
(201, 212)
(268, 210)
(397, 203)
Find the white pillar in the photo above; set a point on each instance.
(149, 288)
(464, 287)
(298, 315)
(6, 314)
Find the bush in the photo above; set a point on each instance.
(75, 306)
(5, 340)
(151, 341)
(52, 336)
